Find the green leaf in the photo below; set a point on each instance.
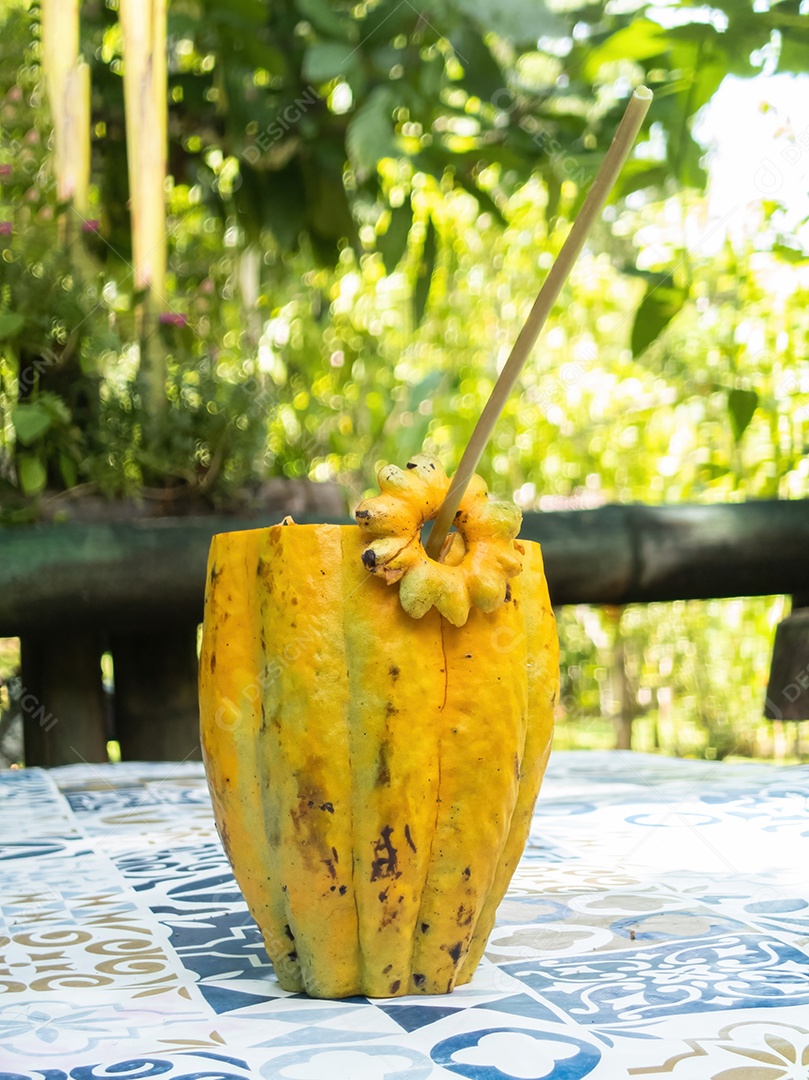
(248, 11)
(326, 60)
(421, 290)
(636, 175)
(275, 200)
(553, 186)
(328, 213)
(741, 406)
(482, 74)
(68, 470)
(663, 299)
(55, 406)
(789, 254)
(370, 135)
(431, 77)
(30, 422)
(32, 474)
(259, 54)
(424, 389)
(743, 37)
(706, 79)
(181, 25)
(393, 244)
(687, 165)
(323, 16)
(641, 40)
(521, 21)
(794, 54)
(386, 20)
(10, 324)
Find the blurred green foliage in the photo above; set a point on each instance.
(696, 673)
(364, 200)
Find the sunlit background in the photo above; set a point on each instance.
(675, 369)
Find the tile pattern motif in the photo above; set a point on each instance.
(658, 926)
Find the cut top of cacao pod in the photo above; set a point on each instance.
(478, 559)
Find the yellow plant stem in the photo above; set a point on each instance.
(67, 80)
(143, 30)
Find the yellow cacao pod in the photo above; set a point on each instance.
(373, 775)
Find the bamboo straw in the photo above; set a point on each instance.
(571, 249)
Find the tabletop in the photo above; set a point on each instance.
(657, 926)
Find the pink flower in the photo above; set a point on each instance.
(91, 226)
(5, 170)
(172, 318)
(6, 228)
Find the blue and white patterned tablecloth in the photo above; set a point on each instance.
(658, 925)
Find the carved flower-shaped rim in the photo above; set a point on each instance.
(478, 560)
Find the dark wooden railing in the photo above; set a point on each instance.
(72, 591)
